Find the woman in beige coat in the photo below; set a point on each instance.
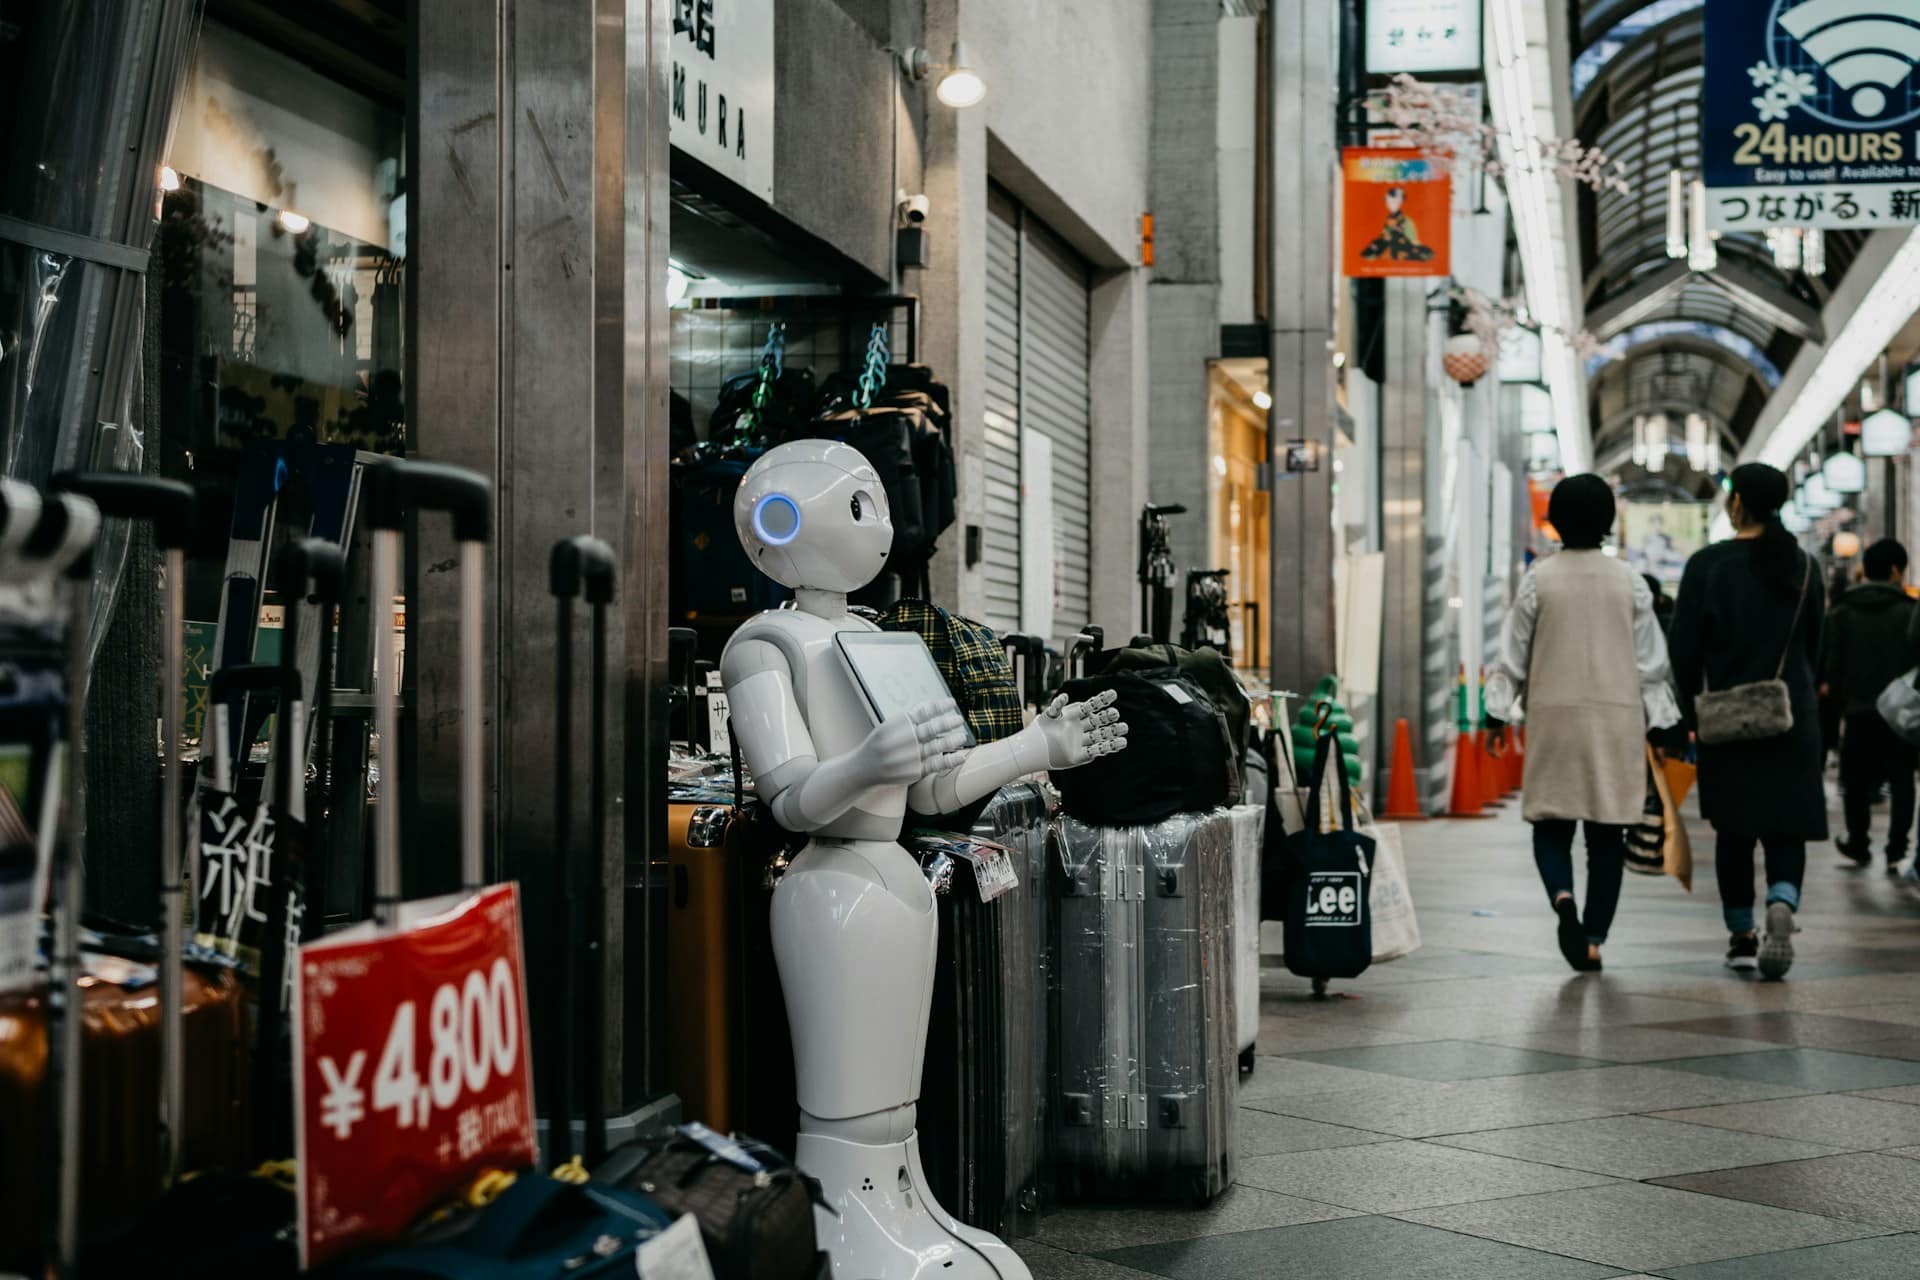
(1583, 654)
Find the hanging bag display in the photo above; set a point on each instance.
(1759, 709)
(1329, 926)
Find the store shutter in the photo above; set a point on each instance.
(1055, 347)
(1000, 503)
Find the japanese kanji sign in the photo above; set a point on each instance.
(1396, 212)
(1419, 36)
(411, 1067)
(1810, 114)
(720, 108)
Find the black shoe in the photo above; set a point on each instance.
(1776, 953)
(1743, 952)
(1858, 854)
(1573, 939)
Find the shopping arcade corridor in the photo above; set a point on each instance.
(1481, 1112)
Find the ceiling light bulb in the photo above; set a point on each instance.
(293, 223)
(169, 178)
(961, 86)
(1813, 252)
(1702, 253)
(1262, 401)
(1676, 214)
(1886, 434)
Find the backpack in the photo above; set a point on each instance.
(969, 656)
(1329, 921)
(1178, 758)
(1206, 668)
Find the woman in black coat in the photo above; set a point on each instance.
(1750, 610)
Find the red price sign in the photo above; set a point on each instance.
(413, 1067)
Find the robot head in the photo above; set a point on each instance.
(811, 513)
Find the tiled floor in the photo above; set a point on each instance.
(1477, 1111)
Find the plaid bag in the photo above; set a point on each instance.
(969, 656)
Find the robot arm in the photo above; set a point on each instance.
(1062, 736)
(804, 792)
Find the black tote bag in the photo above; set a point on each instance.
(1329, 926)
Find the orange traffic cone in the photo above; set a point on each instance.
(1466, 801)
(1403, 792)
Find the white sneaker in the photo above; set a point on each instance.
(1776, 948)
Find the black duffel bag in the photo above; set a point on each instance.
(1205, 667)
(1178, 757)
(754, 1208)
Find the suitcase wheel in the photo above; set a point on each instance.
(1319, 988)
(1247, 1060)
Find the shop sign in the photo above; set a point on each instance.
(412, 1069)
(1423, 36)
(1396, 213)
(721, 97)
(1810, 114)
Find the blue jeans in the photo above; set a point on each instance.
(1606, 868)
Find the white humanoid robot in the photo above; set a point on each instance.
(854, 929)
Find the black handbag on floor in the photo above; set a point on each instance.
(755, 1210)
(1329, 925)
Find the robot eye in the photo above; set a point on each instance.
(856, 507)
(776, 519)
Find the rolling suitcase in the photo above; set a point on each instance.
(1249, 826)
(81, 1092)
(1142, 1008)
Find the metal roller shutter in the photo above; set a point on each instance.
(1039, 343)
(1055, 347)
(1000, 523)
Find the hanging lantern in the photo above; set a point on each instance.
(1795, 521)
(1697, 441)
(1844, 473)
(1785, 244)
(1886, 434)
(1465, 360)
(1657, 442)
(1702, 253)
(1813, 252)
(1817, 497)
(1846, 544)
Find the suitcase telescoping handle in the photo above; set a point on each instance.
(167, 506)
(580, 567)
(391, 490)
(42, 539)
(1027, 655)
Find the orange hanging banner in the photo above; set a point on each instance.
(1397, 213)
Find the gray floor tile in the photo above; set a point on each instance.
(1879, 1190)
(1833, 1120)
(1245, 1207)
(1391, 1176)
(1417, 1109)
(1896, 1012)
(1879, 1258)
(1908, 1153)
(1262, 1133)
(1049, 1263)
(1637, 1147)
(1638, 1227)
(1822, 1069)
(1353, 1249)
(1789, 1026)
(1448, 1060)
(1627, 1044)
(1908, 1093)
(1907, 1047)
(1299, 1035)
(1274, 1077)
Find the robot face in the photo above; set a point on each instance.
(812, 513)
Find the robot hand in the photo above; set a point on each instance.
(930, 738)
(1075, 733)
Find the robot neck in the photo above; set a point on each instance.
(821, 604)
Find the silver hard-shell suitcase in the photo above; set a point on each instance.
(1144, 1035)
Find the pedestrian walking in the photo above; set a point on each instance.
(1866, 648)
(1746, 645)
(1583, 658)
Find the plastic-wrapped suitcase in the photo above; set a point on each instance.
(1249, 826)
(982, 1093)
(1142, 1005)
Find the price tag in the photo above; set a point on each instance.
(992, 863)
(678, 1253)
(412, 1067)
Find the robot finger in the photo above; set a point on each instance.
(1105, 698)
(1107, 716)
(949, 760)
(1056, 707)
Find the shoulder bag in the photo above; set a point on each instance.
(1759, 709)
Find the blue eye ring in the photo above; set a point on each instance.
(760, 529)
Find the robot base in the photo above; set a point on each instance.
(888, 1227)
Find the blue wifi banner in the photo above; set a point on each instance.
(1810, 113)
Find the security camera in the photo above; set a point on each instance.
(915, 208)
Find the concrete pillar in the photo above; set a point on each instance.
(1403, 528)
(1302, 66)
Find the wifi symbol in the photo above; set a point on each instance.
(1865, 50)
